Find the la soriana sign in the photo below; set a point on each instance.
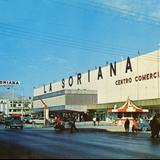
(113, 72)
(78, 81)
(9, 83)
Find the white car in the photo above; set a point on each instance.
(39, 121)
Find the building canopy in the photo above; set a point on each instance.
(128, 106)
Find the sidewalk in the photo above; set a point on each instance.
(84, 126)
(103, 126)
(88, 127)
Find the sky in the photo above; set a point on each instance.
(43, 41)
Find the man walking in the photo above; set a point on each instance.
(94, 121)
(72, 124)
(126, 125)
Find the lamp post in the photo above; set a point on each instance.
(12, 99)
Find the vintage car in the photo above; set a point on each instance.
(14, 122)
(27, 120)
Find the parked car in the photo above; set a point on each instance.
(15, 122)
(27, 120)
(144, 125)
(38, 121)
(2, 121)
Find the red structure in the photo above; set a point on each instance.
(128, 106)
(16, 115)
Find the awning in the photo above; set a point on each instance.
(64, 108)
(16, 115)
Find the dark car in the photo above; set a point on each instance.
(14, 123)
(27, 120)
(2, 121)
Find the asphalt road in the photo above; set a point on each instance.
(42, 143)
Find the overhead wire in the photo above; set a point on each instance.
(119, 50)
(97, 6)
(49, 39)
(138, 16)
(61, 37)
(106, 8)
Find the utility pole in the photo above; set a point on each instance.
(46, 111)
(138, 74)
(158, 52)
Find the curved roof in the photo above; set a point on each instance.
(128, 106)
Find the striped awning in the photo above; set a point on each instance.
(128, 106)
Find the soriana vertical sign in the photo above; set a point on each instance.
(9, 83)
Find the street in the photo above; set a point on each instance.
(47, 143)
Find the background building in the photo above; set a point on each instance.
(18, 105)
(12, 99)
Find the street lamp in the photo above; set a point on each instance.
(22, 110)
(11, 100)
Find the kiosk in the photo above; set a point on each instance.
(127, 111)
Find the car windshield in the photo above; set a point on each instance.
(8, 118)
(16, 119)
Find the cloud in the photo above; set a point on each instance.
(31, 66)
(120, 4)
(52, 59)
(156, 14)
(64, 63)
(148, 10)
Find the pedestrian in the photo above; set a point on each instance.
(72, 124)
(126, 125)
(134, 126)
(97, 119)
(58, 120)
(94, 121)
(155, 127)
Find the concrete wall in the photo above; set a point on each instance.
(81, 99)
(65, 97)
(55, 101)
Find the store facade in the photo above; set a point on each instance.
(137, 78)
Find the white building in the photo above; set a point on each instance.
(4, 106)
(12, 99)
(18, 105)
(137, 78)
